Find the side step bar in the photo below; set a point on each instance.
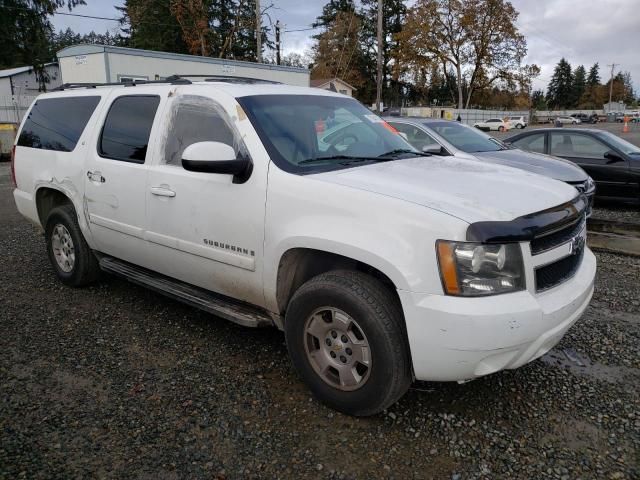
(227, 308)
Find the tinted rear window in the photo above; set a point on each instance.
(127, 128)
(57, 123)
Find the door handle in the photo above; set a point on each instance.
(96, 177)
(163, 192)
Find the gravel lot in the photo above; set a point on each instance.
(114, 381)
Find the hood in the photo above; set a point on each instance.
(467, 189)
(539, 163)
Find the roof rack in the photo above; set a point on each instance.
(172, 79)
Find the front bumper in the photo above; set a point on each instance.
(454, 338)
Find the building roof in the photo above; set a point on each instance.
(10, 72)
(323, 81)
(88, 48)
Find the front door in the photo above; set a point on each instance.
(208, 230)
(611, 177)
(116, 177)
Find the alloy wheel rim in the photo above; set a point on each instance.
(337, 349)
(63, 249)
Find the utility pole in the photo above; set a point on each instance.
(277, 42)
(379, 79)
(258, 33)
(613, 65)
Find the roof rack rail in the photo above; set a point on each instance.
(229, 78)
(172, 79)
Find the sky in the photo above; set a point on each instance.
(582, 31)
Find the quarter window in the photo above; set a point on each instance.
(126, 131)
(197, 119)
(57, 123)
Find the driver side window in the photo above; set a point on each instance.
(197, 119)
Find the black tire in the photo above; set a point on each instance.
(85, 269)
(378, 314)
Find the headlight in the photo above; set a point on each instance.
(475, 269)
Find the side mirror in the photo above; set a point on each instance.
(432, 149)
(216, 157)
(613, 157)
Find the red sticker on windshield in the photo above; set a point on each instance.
(320, 126)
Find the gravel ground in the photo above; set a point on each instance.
(114, 381)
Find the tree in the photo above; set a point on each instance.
(594, 95)
(25, 33)
(559, 91)
(579, 85)
(538, 101)
(593, 80)
(150, 25)
(339, 53)
(478, 39)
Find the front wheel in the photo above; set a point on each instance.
(346, 338)
(519, 126)
(72, 259)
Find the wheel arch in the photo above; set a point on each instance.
(47, 198)
(299, 264)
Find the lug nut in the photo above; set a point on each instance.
(343, 359)
(334, 334)
(328, 342)
(349, 352)
(333, 354)
(344, 339)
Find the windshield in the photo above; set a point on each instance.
(620, 144)
(465, 138)
(304, 133)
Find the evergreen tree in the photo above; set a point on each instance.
(150, 25)
(579, 85)
(331, 10)
(559, 91)
(394, 13)
(593, 79)
(25, 33)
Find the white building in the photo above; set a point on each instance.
(334, 84)
(21, 81)
(100, 64)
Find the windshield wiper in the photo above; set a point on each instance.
(402, 151)
(343, 159)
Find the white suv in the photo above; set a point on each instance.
(516, 122)
(272, 205)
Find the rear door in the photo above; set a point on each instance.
(611, 177)
(116, 175)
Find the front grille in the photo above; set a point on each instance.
(557, 238)
(555, 273)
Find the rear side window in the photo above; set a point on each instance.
(126, 131)
(57, 123)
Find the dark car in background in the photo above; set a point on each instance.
(612, 162)
(445, 137)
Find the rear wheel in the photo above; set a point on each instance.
(501, 129)
(346, 338)
(519, 126)
(72, 259)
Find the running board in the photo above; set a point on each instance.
(219, 305)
